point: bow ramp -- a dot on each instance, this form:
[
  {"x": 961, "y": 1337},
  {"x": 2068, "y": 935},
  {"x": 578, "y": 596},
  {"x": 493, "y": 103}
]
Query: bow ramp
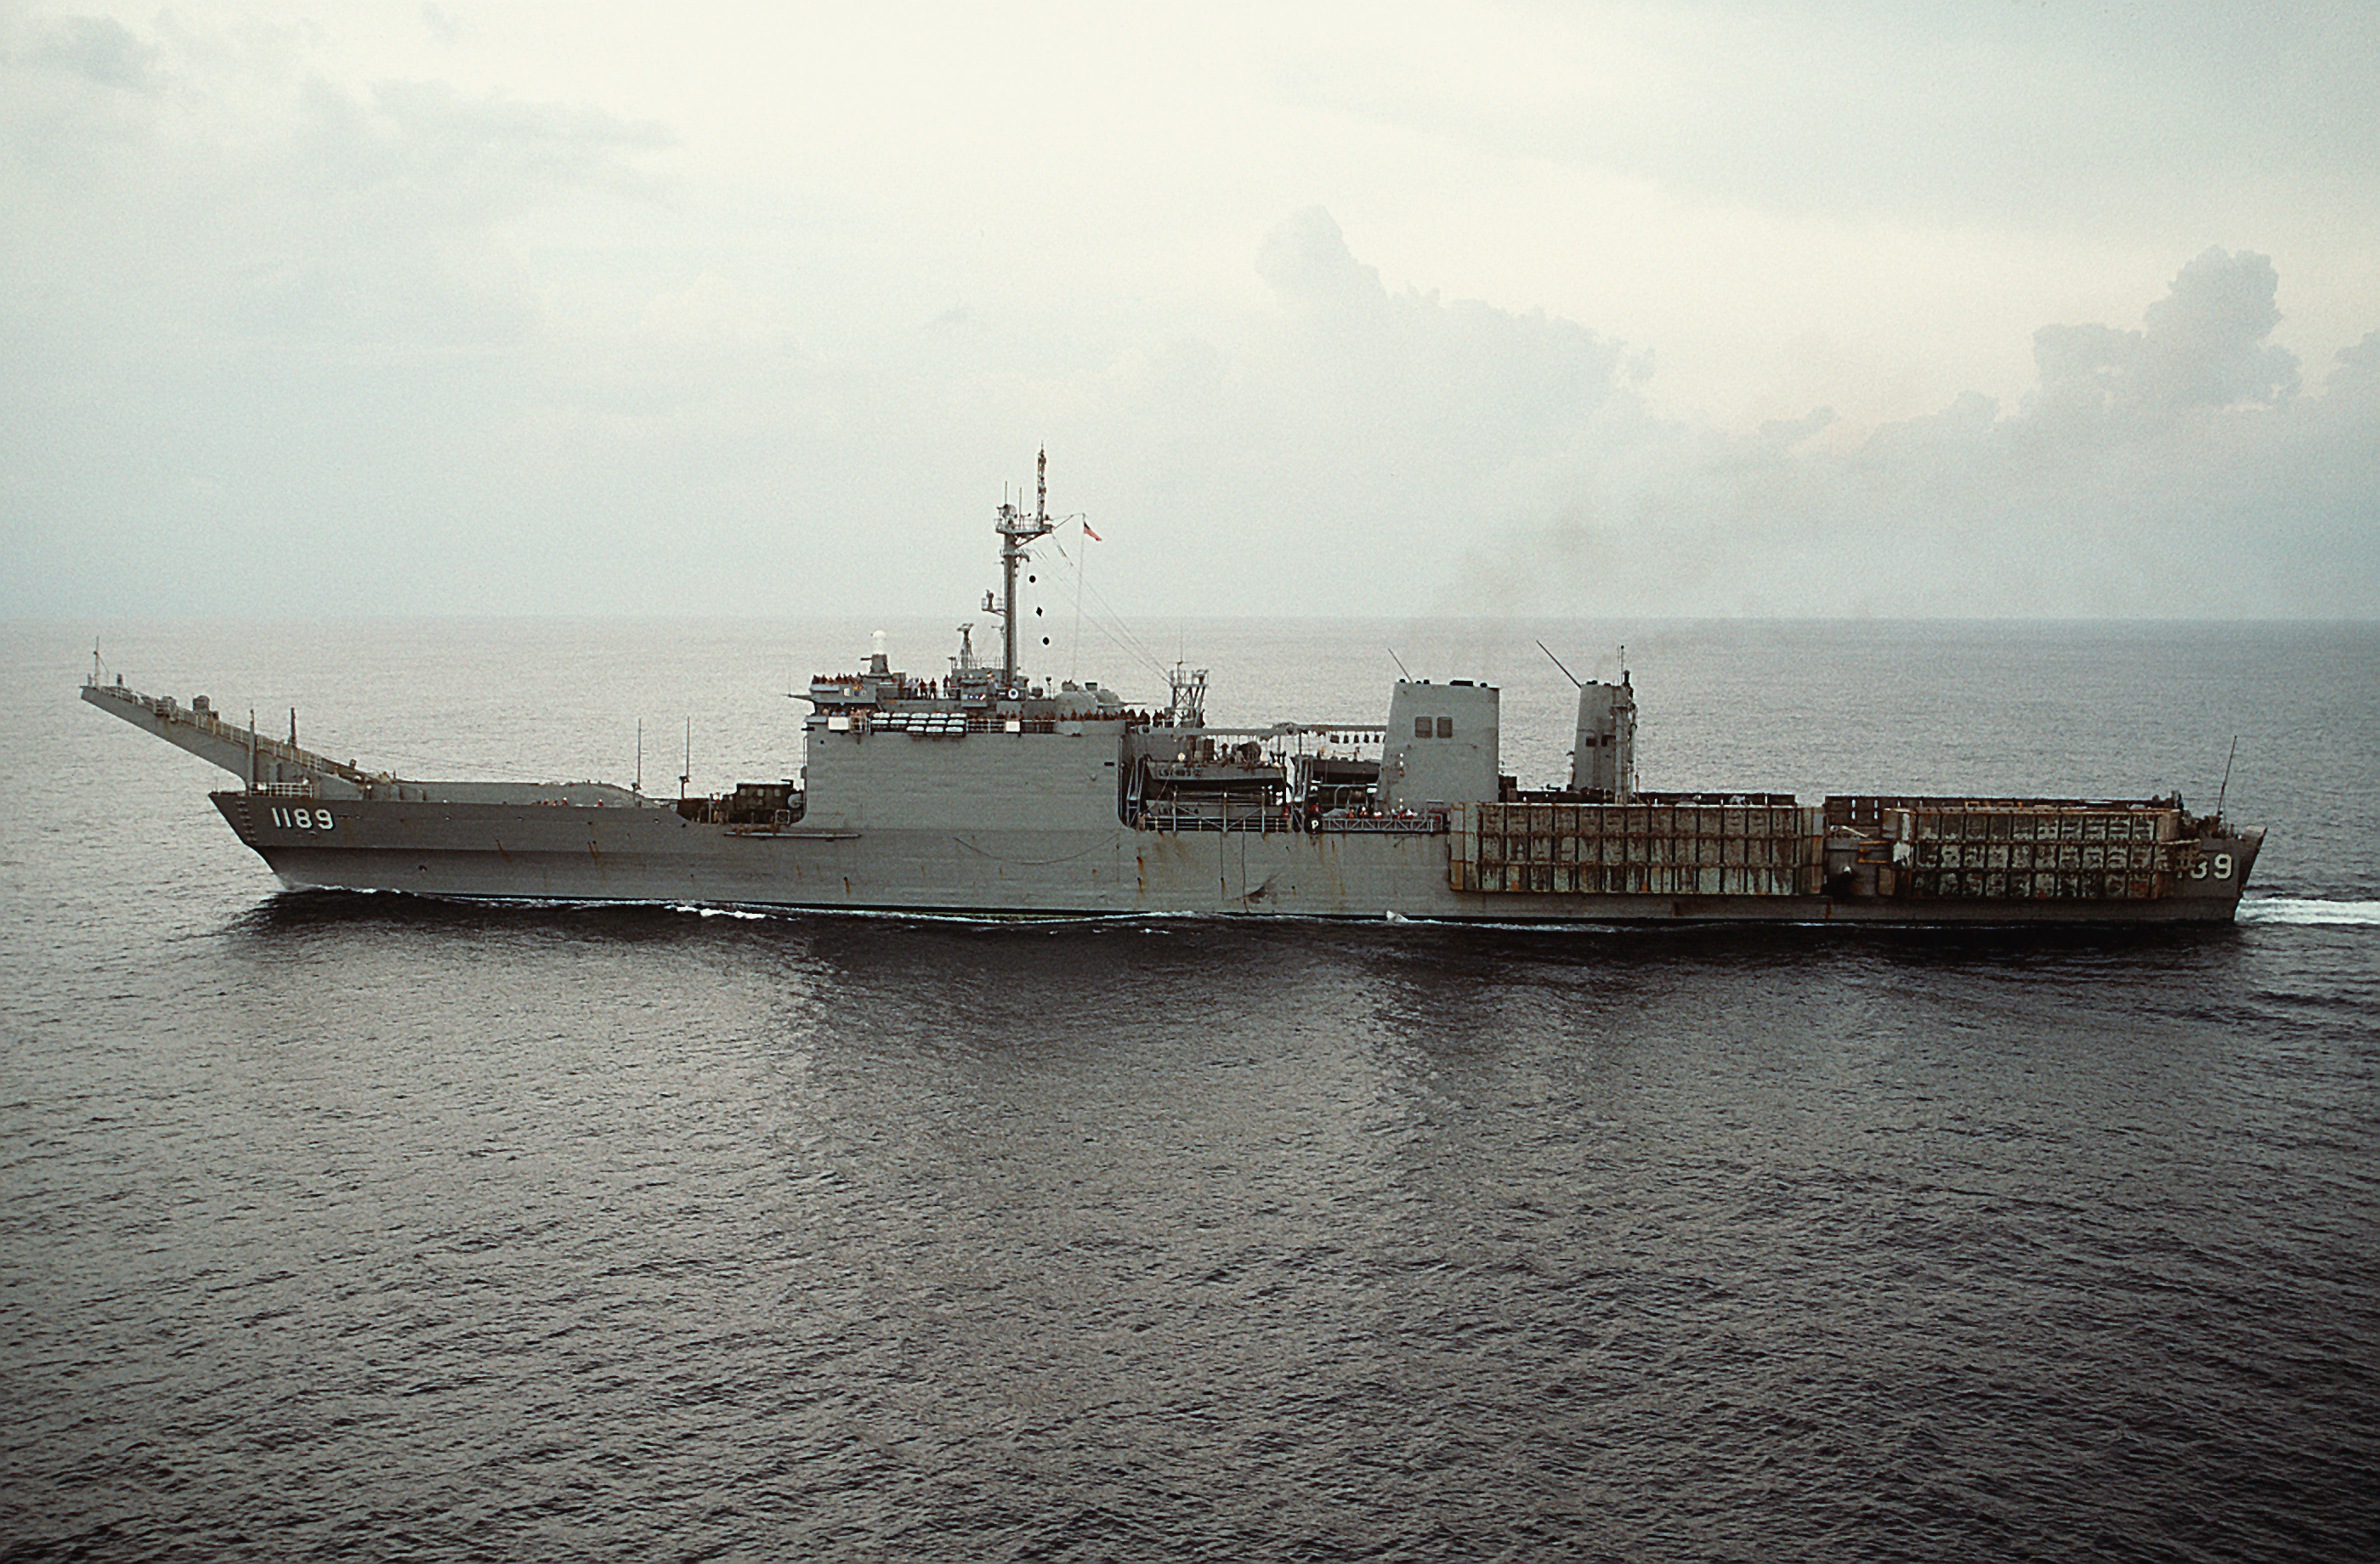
[{"x": 265, "y": 764}]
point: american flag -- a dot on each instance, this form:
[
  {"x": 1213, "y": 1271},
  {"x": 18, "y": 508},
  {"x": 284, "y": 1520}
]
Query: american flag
[{"x": 1091, "y": 535}]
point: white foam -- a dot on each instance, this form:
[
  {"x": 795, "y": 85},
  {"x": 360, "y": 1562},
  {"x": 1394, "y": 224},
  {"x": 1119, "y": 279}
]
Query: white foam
[
  {"x": 703, "y": 909},
  {"x": 2306, "y": 909}
]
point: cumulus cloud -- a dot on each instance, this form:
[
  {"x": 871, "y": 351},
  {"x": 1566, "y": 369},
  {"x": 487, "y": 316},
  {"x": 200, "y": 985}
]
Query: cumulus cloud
[
  {"x": 1497, "y": 462},
  {"x": 2203, "y": 346},
  {"x": 2171, "y": 470},
  {"x": 1306, "y": 261},
  {"x": 1397, "y": 417}
]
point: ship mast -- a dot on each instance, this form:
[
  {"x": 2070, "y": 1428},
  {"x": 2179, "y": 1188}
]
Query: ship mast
[{"x": 1017, "y": 529}]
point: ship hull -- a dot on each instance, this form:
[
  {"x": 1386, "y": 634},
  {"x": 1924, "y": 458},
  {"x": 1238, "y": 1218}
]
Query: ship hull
[{"x": 650, "y": 854}]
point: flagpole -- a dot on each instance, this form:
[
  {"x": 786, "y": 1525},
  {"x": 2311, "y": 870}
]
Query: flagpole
[{"x": 1080, "y": 572}]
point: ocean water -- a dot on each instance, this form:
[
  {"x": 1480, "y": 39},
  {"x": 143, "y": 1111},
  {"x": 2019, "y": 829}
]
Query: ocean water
[{"x": 349, "y": 1227}]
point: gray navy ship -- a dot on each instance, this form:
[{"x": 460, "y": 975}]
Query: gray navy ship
[{"x": 980, "y": 793}]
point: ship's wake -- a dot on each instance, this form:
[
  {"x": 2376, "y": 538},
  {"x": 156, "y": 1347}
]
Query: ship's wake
[{"x": 2308, "y": 910}]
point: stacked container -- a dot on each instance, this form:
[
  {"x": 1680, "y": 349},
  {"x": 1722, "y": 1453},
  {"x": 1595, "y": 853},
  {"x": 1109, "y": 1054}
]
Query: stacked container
[{"x": 1639, "y": 849}]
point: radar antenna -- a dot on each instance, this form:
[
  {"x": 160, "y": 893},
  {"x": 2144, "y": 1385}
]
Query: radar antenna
[{"x": 1189, "y": 697}]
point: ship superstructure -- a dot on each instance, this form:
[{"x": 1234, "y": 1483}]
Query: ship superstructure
[{"x": 979, "y": 791}]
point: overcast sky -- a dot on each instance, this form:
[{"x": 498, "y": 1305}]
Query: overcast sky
[{"x": 1977, "y": 308}]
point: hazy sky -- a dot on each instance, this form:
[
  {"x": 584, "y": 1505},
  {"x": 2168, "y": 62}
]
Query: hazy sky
[{"x": 1984, "y": 306}]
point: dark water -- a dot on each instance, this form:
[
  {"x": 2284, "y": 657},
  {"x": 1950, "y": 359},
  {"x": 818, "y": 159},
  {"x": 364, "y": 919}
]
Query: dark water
[{"x": 366, "y": 1228}]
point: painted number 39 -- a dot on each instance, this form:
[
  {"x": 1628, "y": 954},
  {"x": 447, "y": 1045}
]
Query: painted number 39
[
  {"x": 302, "y": 820},
  {"x": 2220, "y": 867}
]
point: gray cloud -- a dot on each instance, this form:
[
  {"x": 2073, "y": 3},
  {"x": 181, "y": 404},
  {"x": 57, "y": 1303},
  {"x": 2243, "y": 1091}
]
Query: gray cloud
[
  {"x": 2027, "y": 111},
  {"x": 397, "y": 346},
  {"x": 202, "y": 179},
  {"x": 1306, "y": 261},
  {"x": 99, "y": 49},
  {"x": 265, "y": 332}
]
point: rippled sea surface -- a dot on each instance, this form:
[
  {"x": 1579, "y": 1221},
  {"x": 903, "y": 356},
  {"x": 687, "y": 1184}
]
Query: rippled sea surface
[{"x": 370, "y": 1228}]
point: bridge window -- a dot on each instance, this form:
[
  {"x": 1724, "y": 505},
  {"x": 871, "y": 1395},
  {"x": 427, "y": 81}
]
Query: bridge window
[
  {"x": 1446, "y": 727},
  {"x": 1421, "y": 727}
]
